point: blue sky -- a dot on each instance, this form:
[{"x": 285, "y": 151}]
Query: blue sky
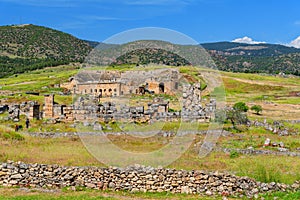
[{"x": 271, "y": 21}]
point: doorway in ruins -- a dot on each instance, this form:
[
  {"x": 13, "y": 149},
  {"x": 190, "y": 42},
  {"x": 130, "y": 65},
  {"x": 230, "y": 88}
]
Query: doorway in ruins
[{"x": 161, "y": 88}]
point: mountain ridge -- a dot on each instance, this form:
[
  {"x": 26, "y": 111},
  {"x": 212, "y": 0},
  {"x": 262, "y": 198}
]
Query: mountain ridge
[{"x": 29, "y": 47}]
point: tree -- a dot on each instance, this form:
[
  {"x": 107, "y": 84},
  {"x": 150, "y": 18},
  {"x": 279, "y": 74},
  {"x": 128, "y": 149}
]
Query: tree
[
  {"x": 240, "y": 106},
  {"x": 256, "y": 108},
  {"x": 236, "y": 117}
]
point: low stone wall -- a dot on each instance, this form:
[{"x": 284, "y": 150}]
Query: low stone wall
[
  {"x": 159, "y": 133},
  {"x": 283, "y": 152},
  {"x": 277, "y": 127},
  {"x": 135, "y": 179}
]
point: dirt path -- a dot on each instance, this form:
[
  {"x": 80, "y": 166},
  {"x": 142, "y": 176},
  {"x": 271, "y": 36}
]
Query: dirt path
[{"x": 23, "y": 83}]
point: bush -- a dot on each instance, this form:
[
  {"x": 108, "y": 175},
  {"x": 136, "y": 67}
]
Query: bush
[
  {"x": 234, "y": 154},
  {"x": 256, "y": 108},
  {"x": 12, "y": 136},
  {"x": 267, "y": 175},
  {"x": 240, "y": 106}
]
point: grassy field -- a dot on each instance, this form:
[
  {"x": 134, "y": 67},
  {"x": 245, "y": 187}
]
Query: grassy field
[
  {"x": 277, "y": 96},
  {"x": 71, "y": 151},
  {"x": 85, "y": 194},
  {"x": 274, "y": 94},
  {"x": 21, "y": 194},
  {"x": 88, "y": 194}
]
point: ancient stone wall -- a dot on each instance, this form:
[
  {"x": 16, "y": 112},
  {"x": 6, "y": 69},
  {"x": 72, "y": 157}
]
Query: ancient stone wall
[
  {"x": 101, "y": 89},
  {"x": 135, "y": 179},
  {"x": 110, "y": 83},
  {"x": 34, "y": 111},
  {"x": 48, "y": 110}
]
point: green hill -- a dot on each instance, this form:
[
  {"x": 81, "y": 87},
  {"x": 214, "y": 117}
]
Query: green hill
[
  {"x": 255, "y": 58},
  {"x": 31, "y": 41},
  {"x": 248, "y": 50},
  {"x": 151, "y": 55},
  {"x": 29, "y": 47}
]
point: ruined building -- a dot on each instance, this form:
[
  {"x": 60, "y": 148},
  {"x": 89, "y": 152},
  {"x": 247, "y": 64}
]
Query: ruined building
[{"x": 114, "y": 83}]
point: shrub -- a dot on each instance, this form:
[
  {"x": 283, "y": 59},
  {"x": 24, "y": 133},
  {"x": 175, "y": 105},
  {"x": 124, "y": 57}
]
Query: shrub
[
  {"x": 240, "y": 106},
  {"x": 234, "y": 154},
  {"x": 12, "y": 136},
  {"x": 256, "y": 108}
]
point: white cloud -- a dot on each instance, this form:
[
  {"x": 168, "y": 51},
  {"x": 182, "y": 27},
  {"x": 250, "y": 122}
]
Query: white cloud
[
  {"x": 246, "y": 40},
  {"x": 295, "y": 42},
  {"x": 297, "y": 23}
]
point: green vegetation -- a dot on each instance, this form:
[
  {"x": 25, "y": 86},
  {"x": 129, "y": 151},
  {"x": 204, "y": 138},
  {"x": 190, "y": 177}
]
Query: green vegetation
[
  {"x": 255, "y": 58},
  {"x": 278, "y": 96},
  {"x": 256, "y": 108},
  {"x": 151, "y": 55},
  {"x": 193, "y": 74},
  {"x": 89, "y": 194},
  {"x": 288, "y": 64},
  {"x": 29, "y": 47},
  {"x": 234, "y": 154},
  {"x": 71, "y": 151},
  {"x": 7, "y": 133},
  {"x": 282, "y": 195},
  {"x": 240, "y": 106},
  {"x": 236, "y": 115},
  {"x": 43, "y": 81}
]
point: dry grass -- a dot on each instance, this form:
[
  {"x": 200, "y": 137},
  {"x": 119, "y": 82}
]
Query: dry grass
[
  {"x": 71, "y": 151},
  {"x": 86, "y": 194},
  {"x": 63, "y": 151}
]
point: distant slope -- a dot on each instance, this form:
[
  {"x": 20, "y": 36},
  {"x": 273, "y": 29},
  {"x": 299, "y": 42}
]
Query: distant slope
[
  {"x": 149, "y": 52},
  {"x": 255, "y": 58},
  {"x": 233, "y": 48},
  {"x": 151, "y": 55},
  {"x": 29, "y": 47},
  {"x": 31, "y": 41}
]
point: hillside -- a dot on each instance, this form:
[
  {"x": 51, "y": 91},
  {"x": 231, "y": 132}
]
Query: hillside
[
  {"x": 249, "y": 50},
  {"x": 29, "y": 47},
  {"x": 40, "y": 42},
  {"x": 151, "y": 55},
  {"x": 285, "y": 63},
  {"x": 228, "y": 56}
]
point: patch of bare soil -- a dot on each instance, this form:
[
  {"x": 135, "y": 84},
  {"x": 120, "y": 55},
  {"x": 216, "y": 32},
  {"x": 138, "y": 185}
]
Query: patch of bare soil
[
  {"x": 23, "y": 83},
  {"x": 294, "y": 94}
]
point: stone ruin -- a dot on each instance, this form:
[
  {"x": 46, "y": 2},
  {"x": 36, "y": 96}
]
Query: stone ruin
[
  {"x": 31, "y": 109},
  {"x": 88, "y": 108},
  {"x": 192, "y": 108},
  {"x": 104, "y": 83},
  {"x": 95, "y": 93}
]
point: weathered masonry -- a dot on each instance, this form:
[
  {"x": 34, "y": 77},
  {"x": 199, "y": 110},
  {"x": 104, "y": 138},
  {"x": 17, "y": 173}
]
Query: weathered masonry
[{"x": 115, "y": 83}]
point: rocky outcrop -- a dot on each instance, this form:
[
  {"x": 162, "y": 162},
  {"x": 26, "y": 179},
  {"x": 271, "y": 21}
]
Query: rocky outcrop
[{"x": 135, "y": 179}]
